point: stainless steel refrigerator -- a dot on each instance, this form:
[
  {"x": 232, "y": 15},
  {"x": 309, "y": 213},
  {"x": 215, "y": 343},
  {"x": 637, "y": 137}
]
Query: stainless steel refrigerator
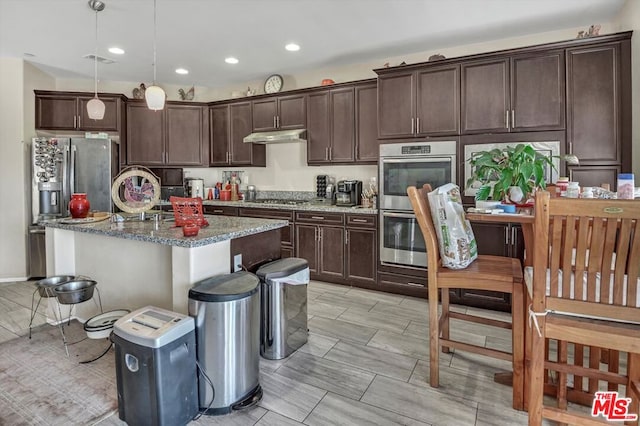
[{"x": 59, "y": 168}]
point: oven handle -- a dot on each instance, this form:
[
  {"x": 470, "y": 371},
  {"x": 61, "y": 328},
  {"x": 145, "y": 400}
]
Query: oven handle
[
  {"x": 417, "y": 159},
  {"x": 405, "y": 215}
]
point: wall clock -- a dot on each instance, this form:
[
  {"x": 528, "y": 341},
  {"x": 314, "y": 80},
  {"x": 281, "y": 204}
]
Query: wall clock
[{"x": 273, "y": 84}]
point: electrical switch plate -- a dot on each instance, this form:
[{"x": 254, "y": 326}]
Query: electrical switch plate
[{"x": 237, "y": 263}]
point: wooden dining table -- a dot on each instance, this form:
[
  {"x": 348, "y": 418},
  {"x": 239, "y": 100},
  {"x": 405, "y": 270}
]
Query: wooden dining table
[{"x": 525, "y": 218}]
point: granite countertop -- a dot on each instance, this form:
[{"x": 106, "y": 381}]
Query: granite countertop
[
  {"x": 220, "y": 228},
  {"x": 308, "y": 206}
]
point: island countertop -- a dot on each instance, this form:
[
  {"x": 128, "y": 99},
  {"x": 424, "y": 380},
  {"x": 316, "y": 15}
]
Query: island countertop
[{"x": 220, "y": 228}]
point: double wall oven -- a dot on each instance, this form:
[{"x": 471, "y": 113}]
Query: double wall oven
[{"x": 405, "y": 164}]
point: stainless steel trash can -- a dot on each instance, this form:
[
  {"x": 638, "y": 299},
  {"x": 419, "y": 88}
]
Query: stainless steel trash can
[
  {"x": 156, "y": 367},
  {"x": 226, "y": 309},
  {"x": 283, "y": 325}
]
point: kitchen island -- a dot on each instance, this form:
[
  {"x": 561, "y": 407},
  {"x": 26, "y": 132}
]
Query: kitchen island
[{"x": 138, "y": 263}]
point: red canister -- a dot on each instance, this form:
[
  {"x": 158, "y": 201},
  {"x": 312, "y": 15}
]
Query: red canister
[{"x": 79, "y": 205}]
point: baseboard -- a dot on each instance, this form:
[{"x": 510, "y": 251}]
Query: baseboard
[{"x": 12, "y": 280}]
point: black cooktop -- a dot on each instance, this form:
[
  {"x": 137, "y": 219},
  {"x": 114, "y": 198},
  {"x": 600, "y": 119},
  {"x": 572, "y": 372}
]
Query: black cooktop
[{"x": 280, "y": 201}]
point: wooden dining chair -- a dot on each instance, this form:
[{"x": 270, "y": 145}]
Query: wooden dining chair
[
  {"x": 585, "y": 290},
  {"x": 493, "y": 273}
]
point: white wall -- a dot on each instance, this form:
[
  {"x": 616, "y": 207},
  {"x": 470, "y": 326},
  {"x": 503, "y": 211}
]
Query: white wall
[
  {"x": 629, "y": 19},
  {"x": 12, "y": 195}
]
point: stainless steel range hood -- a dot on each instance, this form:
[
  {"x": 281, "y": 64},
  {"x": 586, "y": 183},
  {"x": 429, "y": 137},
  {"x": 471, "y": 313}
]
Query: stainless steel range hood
[{"x": 278, "y": 136}]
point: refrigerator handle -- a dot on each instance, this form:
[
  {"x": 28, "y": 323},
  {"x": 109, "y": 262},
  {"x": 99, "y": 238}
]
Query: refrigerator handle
[
  {"x": 65, "y": 181},
  {"x": 72, "y": 170}
]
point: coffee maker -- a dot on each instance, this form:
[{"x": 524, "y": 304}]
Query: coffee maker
[{"x": 349, "y": 193}]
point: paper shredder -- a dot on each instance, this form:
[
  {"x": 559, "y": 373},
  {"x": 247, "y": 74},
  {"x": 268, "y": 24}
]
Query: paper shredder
[
  {"x": 226, "y": 309},
  {"x": 283, "y": 288},
  {"x": 156, "y": 367}
]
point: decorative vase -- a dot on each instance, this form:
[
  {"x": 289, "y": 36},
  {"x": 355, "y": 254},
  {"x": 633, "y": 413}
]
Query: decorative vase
[
  {"x": 515, "y": 194},
  {"x": 79, "y": 206}
]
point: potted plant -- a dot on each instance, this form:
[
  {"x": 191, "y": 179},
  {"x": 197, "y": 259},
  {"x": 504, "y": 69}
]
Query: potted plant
[{"x": 511, "y": 174}]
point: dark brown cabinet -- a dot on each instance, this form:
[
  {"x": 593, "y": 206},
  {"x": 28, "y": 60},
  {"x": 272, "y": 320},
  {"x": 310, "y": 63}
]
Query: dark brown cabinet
[
  {"x": 286, "y": 234},
  {"x": 320, "y": 238},
  {"x": 521, "y": 93},
  {"x": 425, "y": 102},
  {"x": 229, "y": 126},
  {"x": 68, "y": 111},
  {"x": 281, "y": 113},
  {"x": 595, "y": 175},
  {"x": 367, "y": 146},
  {"x": 175, "y": 136},
  {"x": 594, "y": 104},
  {"x": 497, "y": 239},
  {"x": 220, "y": 210},
  {"x": 331, "y": 126},
  {"x": 361, "y": 242}
]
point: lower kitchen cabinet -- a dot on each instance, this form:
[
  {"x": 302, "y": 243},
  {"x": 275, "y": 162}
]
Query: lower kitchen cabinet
[
  {"x": 498, "y": 239},
  {"x": 343, "y": 254},
  {"x": 286, "y": 233},
  {"x": 221, "y": 210}
]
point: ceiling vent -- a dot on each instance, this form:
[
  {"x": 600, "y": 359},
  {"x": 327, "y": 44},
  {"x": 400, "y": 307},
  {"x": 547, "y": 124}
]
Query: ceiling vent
[{"x": 100, "y": 59}]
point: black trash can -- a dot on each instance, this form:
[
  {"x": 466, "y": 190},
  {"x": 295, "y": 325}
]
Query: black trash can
[
  {"x": 283, "y": 294},
  {"x": 156, "y": 367}
]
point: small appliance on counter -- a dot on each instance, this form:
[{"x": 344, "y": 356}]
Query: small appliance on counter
[
  {"x": 195, "y": 187},
  {"x": 251, "y": 193},
  {"x": 349, "y": 193},
  {"x": 326, "y": 188}
]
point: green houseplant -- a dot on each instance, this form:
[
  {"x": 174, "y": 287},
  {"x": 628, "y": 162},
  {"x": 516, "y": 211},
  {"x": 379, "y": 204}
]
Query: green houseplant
[{"x": 512, "y": 173}]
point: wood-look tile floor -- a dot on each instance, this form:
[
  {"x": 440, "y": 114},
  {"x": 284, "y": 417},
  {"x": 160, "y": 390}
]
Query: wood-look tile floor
[{"x": 366, "y": 363}]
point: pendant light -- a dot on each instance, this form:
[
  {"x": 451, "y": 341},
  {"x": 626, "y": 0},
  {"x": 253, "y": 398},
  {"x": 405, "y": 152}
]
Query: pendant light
[
  {"x": 95, "y": 107},
  {"x": 154, "y": 95}
]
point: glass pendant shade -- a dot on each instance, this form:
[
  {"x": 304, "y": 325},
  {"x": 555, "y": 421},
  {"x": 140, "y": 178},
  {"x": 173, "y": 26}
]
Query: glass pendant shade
[
  {"x": 155, "y": 97},
  {"x": 95, "y": 109}
]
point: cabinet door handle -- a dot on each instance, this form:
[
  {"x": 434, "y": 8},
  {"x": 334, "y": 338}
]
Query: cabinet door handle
[
  {"x": 418, "y": 125},
  {"x": 74, "y": 121},
  {"x": 513, "y": 235},
  {"x": 278, "y": 121},
  {"x": 330, "y": 153},
  {"x": 506, "y": 235},
  {"x": 274, "y": 122},
  {"x": 507, "y": 119},
  {"x": 414, "y": 284},
  {"x": 79, "y": 121},
  {"x": 319, "y": 234},
  {"x": 413, "y": 122},
  {"x": 570, "y": 147},
  {"x": 218, "y": 211},
  {"x": 513, "y": 118},
  {"x": 346, "y": 238},
  {"x": 317, "y": 217},
  {"x": 326, "y": 153},
  {"x": 359, "y": 220}
]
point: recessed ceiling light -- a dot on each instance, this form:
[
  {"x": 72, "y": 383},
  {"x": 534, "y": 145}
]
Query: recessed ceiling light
[
  {"x": 231, "y": 60},
  {"x": 292, "y": 47},
  {"x": 182, "y": 71},
  {"x": 116, "y": 51}
]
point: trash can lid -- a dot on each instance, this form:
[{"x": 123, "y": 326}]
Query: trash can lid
[
  {"x": 224, "y": 288},
  {"x": 281, "y": 268}
]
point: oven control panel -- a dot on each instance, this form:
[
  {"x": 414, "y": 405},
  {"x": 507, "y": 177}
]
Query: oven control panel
[{"x": 416, "y": 149}]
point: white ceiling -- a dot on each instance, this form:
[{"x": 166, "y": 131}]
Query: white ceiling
[{"x": 199, "y": 34}]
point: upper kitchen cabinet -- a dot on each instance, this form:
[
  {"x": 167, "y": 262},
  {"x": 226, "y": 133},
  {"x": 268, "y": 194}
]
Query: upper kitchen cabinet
[
  {"x": 281, "y": 113},
  {"x": 423, "y": 102},
  {"x": 229, "y": 125},
  {"x": 367, "y": 146},
  {"x": 520, "y": 93},
  {"x": 175, "y": 136},
  {"x": 331, "y": 126},
  {"x": 598, "y": 107},
  {"x": 68, "y": 111},
  {"x": 342, "y": 124}
]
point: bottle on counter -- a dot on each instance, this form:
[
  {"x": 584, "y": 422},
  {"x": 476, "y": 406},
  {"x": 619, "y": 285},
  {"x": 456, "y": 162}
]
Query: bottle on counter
[
  {"x": 234, "y": 189},
  {"x": 573, "y": 190},
  {"x": 587, "y": 192},
  {"x": 561, "y": 186},
  {"x": 626, "y": 186}
]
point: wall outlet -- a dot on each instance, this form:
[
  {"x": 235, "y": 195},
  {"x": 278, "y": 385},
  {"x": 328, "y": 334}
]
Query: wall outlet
[{"x": 237, "y": 263}]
